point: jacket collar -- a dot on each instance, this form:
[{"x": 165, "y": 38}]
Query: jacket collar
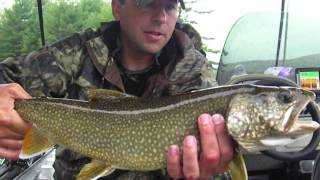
[{"x": 100, "y": 51}]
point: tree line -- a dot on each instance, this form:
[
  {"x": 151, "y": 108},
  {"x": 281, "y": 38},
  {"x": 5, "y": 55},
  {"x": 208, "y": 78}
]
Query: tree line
[{"x": 19, "y": 25}]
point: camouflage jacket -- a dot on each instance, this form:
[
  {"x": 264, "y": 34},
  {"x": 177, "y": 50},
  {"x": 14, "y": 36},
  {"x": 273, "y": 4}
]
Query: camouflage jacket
[{"x": 88, "y": 59}]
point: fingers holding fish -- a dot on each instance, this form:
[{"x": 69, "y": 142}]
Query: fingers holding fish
[
  {"x": 8, "y": 116},
  {"x": 13, "y": 90},
  {"x": 12, "y": 127},
  {"x": 8, "y": 94},
  {"x": 210, "y": 155},
  {"x": 10, "y": 141},
  {"x": 11, "y": 144},
  {"x": 186, "y": 166},
  {"x": 216, "y": 151},
  {"x": 174, "y": 162},
  {"x": 5, "y": 133},
  {"x": 190, "y": 162},
  {"x": 9, "y": 153},
  {"x": 18, "y": 125},
  {"x": 224, "y": 141}
]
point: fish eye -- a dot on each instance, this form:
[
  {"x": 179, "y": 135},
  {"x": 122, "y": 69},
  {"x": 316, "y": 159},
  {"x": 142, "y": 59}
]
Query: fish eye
[{"x": 285, "y": 96}]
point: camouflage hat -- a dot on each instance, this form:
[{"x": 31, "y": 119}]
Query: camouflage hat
[{"x": 145, "y": 2}]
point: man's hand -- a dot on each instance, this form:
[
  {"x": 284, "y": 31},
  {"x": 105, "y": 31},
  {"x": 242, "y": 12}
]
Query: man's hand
[
  {"x": 12, "y": 127},
  {"x": 215, "y": 155}
]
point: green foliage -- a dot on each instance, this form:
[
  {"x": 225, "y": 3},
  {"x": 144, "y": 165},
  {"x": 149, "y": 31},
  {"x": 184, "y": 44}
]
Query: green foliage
[
  {"x": 16, "y": 32},
  {"x": 183, "y": 16},
  {"x": 19, "y": 25},
  {"x": 65, "y": 17}
]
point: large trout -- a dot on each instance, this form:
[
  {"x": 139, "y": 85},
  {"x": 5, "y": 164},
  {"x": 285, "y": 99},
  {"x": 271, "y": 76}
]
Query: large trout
[{"x": 124, "y": 132}]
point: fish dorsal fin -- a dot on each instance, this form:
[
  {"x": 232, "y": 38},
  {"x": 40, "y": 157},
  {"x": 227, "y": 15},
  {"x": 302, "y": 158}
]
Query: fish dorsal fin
[
  {"x": 106, "y": 94},
  {"x": 94, "y": 170},
  {"x": 34, "y": 144}
]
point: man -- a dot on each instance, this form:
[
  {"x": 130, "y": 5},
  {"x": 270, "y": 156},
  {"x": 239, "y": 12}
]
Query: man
[{"x": 141, "y": 53}]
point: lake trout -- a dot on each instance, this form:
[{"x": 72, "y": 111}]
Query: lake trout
[{"x": 124, "y": 132}]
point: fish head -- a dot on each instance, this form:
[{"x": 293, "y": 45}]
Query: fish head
[{"x": 268, "y": 117}]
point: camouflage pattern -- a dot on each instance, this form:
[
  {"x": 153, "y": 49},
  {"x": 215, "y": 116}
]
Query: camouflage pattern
[{"x": 86, "y": 60}]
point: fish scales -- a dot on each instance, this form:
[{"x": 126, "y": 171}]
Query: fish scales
[{"x": 134, "y": 133}]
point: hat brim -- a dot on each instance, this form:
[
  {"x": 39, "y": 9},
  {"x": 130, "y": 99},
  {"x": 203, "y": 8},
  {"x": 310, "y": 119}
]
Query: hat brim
[{"x": 144, "y": 2}]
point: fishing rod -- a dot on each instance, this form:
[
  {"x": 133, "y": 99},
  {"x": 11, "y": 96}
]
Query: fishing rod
[
  {"x": 41, "y": 26},
  {"x": 283, "y": 2}
]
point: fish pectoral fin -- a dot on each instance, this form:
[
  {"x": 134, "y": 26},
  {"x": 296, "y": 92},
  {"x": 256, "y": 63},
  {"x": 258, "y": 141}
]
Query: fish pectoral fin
[
  {"x": 237, "y": 167},
  {"x": 94, "y": 170},
  {"x": 34, "y": 144}
]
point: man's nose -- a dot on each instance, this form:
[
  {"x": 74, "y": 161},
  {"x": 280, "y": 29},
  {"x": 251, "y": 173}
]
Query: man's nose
[{"x": 160, "y": 15}]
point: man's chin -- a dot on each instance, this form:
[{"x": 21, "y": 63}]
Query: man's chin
[{"x": 153, "y": 49}]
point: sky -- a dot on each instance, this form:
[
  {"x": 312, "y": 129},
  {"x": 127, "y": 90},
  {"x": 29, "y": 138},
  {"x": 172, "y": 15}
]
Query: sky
[
  {"x": 225, "y": 12},
  {"x": 5, "y": 4}
]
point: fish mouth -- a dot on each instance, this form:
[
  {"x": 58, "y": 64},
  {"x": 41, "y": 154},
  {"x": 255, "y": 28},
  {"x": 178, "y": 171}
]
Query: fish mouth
[
  {"x": 292, "y": 128},
  {"x": 291, "y": 125}
]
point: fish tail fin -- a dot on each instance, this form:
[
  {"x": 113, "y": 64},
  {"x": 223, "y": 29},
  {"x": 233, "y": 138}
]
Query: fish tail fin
[
  {"x": 34, "y": 144},
  {"x": 94, "y": 170},
  {"x": 237, "y": 167}
]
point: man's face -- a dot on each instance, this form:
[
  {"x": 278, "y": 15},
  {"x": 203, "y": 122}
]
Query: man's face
[{"x": 146, "y": 29}]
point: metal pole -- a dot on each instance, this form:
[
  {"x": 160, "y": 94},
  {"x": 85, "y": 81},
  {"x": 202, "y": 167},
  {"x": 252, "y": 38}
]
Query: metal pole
[
  {"x": 43, "y": 41},
  {"x": 280, "y": 32}
]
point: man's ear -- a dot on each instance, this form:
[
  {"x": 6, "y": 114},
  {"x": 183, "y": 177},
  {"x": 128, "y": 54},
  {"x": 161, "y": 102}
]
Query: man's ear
[{"x": 116, "y": 9}]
